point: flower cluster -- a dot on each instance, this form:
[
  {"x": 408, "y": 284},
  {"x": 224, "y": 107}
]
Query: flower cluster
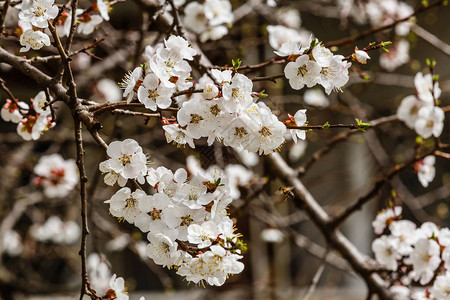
[
  {"x": 314, "y": 65},
  {"x": 36, "y": 13},
  {"x": 56, "y": 231},
  {"x": 419, "y": 111},
  {"x": 413, "y": 256},
  {"x": 186, "y": 219},
  {"x": 31, "y": 122},
  {"x": 210, "y": 19},
  {"x": 165, "y": 72},
  {"x": 225, "y": 110},
  {"x": 57, "y": 176},
  {"x": 230, "y": 115},
  {"x": 34, "y": 16}
]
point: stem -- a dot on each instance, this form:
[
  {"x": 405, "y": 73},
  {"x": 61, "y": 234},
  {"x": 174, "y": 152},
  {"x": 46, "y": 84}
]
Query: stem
[{"x": 83, "y": 180}]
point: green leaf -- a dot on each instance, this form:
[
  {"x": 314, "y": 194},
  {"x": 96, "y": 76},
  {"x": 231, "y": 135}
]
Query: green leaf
[
  {"x": 362, "y": 126},
  {"x": 236, "y": 63},
  {"x": 431, "y": 62},
  {"x": 262, "y": 94},
  {"x": 326, "y": 125}
]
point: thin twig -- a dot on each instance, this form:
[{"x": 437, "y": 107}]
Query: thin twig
[
  {"x": 6, "y": 89},
  {"x": 268, "y": 78},
  {"x": 316, "y": 278},
  {"x": 83, "y": 180}
]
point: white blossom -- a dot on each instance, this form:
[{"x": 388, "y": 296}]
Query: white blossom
[
  {"x": 302, "y": 72},
  {"x": 174, "y": 133},
  {"x": 88, "y": 23},
  {"x": 441, "y": 287},
  {"x": 272, "y": 235},
  {"x": 154, "y": 95},
  {"x": 361, "y": 56},
  {"x": 409, "y": 109},
  {"x": 426, "y": 170},
  {"x": 99, "y": 272},
  {"x": 278, "y": 35},
  {"x": 124, "y": 204},
  {"x": 11, "y": 111},
  {"x": 57, "y": 176},
  {"x": 11, "y": 243},
  {"x": 404, "y": 232},
  {"x": 38, "y": 12},
  {"x": 299, "y": 119},
  {"x": 386, "y": 252},
  {"x": 117, "y": 288},
  {"x": 384, "y": 218},
  {"x": 400, "y": 292},
  {"x": 430, "y": 121},
  {"x": 316, "y": 97},
  {"x": 127, "y": 159},
  {"x": 162, "y": 249},
  {"x": 398, "y": 55},
  {"x": 426, "y": 90},
  {"x": 425, "y": 259},
  {"x": 131, "y": 83},
  {"x": 34, "y": 40}
]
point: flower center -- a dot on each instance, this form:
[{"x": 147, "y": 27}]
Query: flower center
[
  {"x": 39, "y": 11},
  {"x": 155, "y": 214},
  {"x": 56, "y": 175},
  {"x": 153, "y": 94},
  {"x": 302, "y": 71},
  {"x": 195, "y": 119},
  {"x": 430, "y": 123},
  {"x": 125, "y": 159},
  {"x": 130, "y": 202},
  {"x": 28, "y": 123},
  {"x": 265, "y": 131},
  {"x": 215, "y": 110},
  {"x": 186, "y": 220},
  {"x": 240, "y": 131}
]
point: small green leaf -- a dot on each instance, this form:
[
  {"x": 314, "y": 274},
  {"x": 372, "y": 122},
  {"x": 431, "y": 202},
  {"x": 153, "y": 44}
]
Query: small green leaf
[
  {"x": 436, "y": 78},
  {"x": 236, "y": 63},
  {"x": 419, "y": 140},
  {"x": 362, "y": 126},
  {"x": 385, "y": 44},
  {"x": 425, "y": 3},
  {"x": 431, "y": 62},
  {"x": 262, "y": 94},
  {"x": 326, "y": 125},
  {"x": 393, "y": 193}
]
